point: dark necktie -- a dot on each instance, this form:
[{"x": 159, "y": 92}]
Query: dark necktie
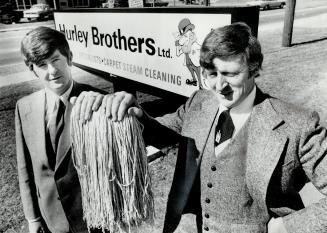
[
  {"x": 56, "y": 124},
  {"x": 224, "y": 129}
]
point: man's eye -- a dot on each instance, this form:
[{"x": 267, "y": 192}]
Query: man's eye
[
  {"x": 213, "y": 74},
  {"x": 230, "y": 74},
  {"x": 42, "y": 65}
]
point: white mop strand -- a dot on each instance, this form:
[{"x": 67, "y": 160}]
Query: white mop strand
[{"x": 110, "y": 158}]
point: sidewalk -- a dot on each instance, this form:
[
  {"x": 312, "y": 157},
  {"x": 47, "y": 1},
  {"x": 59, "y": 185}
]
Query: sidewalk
[{"x": 24, "y": 24}]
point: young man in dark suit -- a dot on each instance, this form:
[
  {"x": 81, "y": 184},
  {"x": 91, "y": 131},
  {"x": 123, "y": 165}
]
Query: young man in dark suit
[
  {"x": 243, "y": 155},
  {"x": 48, "y": 181}
]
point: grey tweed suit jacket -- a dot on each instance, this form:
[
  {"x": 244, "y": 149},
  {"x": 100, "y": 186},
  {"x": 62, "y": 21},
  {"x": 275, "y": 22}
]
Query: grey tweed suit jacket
[
  {"x": 43, "y": 186},
  {"x": 286, "y": 148}
]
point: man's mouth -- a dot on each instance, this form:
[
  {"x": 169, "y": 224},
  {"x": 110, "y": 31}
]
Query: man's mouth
[{"x": 56, "y": 78}]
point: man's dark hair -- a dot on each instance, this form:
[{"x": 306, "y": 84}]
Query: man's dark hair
[
  {"x": 40, "y": 43},
  {"x": 230, "y": 41}
]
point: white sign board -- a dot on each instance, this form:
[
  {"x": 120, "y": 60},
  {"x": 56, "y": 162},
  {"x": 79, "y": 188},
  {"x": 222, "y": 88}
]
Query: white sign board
[{"x": 158, "y": 49}]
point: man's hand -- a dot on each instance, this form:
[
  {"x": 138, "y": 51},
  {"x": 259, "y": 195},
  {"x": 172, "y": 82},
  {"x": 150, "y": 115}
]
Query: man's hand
[
  {"x": 86, "y": 103},
  {"x": 36, "y": 227},
  {"x": 118, "y": 104},
  {"x": 276, "y": 225}
]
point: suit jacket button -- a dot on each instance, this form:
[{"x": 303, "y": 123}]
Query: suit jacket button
[
  {"x": 207, "y": 200},
  {"x": 209, "y": 185},
  {"x": 206, "y": 228},
  {"x": 213, "y": 168},
  {"x": 206, "y": 215}
]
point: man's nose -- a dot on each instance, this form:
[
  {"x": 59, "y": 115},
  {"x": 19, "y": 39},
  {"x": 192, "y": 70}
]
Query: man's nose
[
  {"x": 52, "y": 69},
  {"x": 221, "y": 80}
]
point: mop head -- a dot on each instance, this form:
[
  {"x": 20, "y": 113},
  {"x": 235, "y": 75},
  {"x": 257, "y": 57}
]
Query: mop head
[{"x": 110, "y": 158}]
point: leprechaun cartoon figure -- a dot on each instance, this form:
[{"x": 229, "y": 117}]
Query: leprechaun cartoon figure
[{"x": 186, "y": 43}]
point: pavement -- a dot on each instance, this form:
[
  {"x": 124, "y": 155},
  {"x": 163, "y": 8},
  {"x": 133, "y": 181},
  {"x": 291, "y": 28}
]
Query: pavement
[{"x": 24, "y": 24}]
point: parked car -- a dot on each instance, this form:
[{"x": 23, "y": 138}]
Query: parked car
[
  {"x": 156, "y": 3},
  {"x": 268, "y": 4},
  {"x": 39, "y": 11},
  {"x": 9, "y": 15}
]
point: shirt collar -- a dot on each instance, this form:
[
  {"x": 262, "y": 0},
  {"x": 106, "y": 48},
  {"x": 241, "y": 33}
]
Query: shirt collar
[
  {"x": 241, "y": 112},
  {"x": 51, "y": 97},
  {"x": 64, "y": 97}
]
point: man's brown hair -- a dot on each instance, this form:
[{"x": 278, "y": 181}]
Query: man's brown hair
[
  {"x": 40, "y": 43},
  {"x": 230, "y": 41}
]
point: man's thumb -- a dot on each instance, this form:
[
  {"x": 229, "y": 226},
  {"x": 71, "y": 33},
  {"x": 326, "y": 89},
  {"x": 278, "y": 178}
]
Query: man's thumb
[
  {"x": 135, "y": 111},
  {"x": 73, "y": 100}
]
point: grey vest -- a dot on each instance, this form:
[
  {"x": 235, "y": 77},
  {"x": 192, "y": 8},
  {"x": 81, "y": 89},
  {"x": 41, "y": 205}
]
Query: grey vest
[{"x": 227, "y": 205}]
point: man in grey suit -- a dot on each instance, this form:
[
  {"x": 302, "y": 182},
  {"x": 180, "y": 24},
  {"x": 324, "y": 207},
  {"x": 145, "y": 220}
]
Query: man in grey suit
[
  {"x": 243, "y": 155},
  {"x": 48, "y": 181}
]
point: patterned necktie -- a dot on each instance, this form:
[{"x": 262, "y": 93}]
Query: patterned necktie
[
  {"x": 56, "y": 123},
  {"x": 225, "y": 128}
]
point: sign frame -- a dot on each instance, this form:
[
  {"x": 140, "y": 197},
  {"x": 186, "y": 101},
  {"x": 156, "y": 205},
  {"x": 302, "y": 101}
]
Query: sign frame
[{"x": 239, "y": 13}]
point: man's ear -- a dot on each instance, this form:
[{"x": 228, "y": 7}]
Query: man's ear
[
  {"x": 28, "y": 64},
  {"x": 254, "y": 73},
  {"x": 34, "y": 73},
  {"x": 70, "y": 58},
  {"x": 31, "y": 68}
]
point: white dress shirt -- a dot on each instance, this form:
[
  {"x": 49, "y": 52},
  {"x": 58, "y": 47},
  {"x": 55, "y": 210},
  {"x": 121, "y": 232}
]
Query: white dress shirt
[
  {"x": 239, "y": 114},
  {"x": 51, "y": 98}
]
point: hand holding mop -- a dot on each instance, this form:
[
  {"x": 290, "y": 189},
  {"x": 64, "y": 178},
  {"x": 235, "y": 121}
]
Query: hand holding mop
[{"x": 110, "y": 158}]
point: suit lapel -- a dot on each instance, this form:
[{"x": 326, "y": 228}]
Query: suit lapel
[
  {"x": 36, "y": 125},
  {"x": 265, "y": 146},
  {"x": 211, "y": 116},
  {"x": 205, "y": 136}
]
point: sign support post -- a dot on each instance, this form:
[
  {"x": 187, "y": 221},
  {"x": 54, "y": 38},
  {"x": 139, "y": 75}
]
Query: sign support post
[{"x": 288, "y": 23}]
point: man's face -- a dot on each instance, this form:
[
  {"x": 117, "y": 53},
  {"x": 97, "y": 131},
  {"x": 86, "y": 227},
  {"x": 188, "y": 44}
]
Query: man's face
[
  {"x": 230, "y": 80},
  {"x": 55, "y": 72}
]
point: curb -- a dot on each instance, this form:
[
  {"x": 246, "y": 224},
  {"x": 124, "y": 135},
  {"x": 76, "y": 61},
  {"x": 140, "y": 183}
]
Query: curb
[{"x": 15, "y": 29}]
